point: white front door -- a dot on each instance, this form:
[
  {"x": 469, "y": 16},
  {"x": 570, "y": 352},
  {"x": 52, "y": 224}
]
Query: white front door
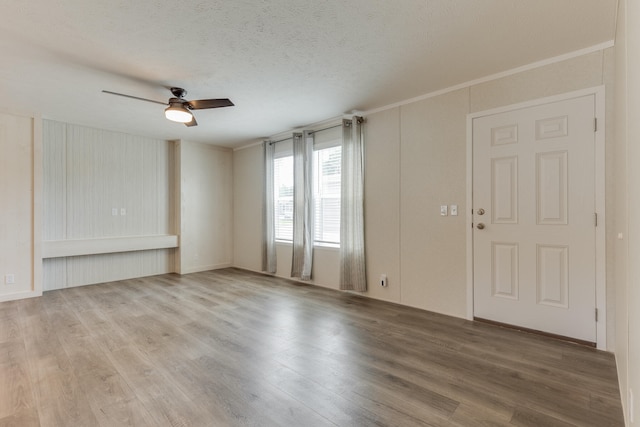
[{"x": 534, "y": 237}]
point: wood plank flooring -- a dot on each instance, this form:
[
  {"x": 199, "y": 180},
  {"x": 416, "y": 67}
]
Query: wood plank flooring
[{"x": 233, "y": 348}]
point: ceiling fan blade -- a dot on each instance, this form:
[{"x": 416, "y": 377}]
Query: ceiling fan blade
[
  {"x": 192, "y": 122},
  {"x": 201, "y": 104},
  {"x": 134, "y": 97}
]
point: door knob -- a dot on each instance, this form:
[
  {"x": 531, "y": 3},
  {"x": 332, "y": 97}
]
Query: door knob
[
  {"x": 480, "y": 226},
  {"x": 480, "y": 211}
]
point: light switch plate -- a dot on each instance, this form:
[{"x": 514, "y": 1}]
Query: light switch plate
[
  {"x": 444, "y": 210},
  {"x": 454, "y": 210}
]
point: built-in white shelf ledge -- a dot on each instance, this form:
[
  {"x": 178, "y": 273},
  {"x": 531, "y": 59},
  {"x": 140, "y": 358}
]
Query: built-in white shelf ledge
[{"x": 106, "y": 245}]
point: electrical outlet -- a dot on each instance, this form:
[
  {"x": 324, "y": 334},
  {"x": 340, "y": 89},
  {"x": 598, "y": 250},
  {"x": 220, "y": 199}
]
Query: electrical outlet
[
  {"x": 123, "y": 211},
  {"x": 9, "y": 279},
  {"x": 383, "y": 280}
]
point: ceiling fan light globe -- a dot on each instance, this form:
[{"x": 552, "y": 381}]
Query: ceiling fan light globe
[{"x": 177, "y": 113}]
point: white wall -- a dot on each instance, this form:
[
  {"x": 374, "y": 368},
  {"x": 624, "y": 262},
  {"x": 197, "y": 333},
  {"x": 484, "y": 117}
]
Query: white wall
[
  {"x": 433, "y": 173},
  {"x": 247, "y": 207},
  {"x": 205, "y": 185},
  {"x": 627, "y": 219},
  {"x": 382, "y": 203},
  {"x": 416, "y": 161},
  {"x": 20, "y": 195},
  {"x": 633, "y": 197},
  {"x": 621, "y": 207},
  {"x": 88, "y": 173}
]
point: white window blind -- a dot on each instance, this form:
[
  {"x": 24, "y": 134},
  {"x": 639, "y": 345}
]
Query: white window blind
[
  {"x": 283, "y": 197},
  {"x": 327, "y": 165}
]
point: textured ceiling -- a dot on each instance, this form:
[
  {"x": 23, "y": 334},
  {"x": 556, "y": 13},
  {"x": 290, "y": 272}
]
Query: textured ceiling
[{"x": 284, "y": 63}]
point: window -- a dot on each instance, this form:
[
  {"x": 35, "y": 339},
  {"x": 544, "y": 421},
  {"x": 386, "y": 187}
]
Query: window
[
  {"x": 283, "y": 193},
  {"x": 327, "y": 160},
  {"x": 326, "y": 193}
]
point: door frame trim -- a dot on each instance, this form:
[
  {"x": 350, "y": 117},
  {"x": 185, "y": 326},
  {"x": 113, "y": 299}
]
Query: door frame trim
[{"x": 600, "y": 201}]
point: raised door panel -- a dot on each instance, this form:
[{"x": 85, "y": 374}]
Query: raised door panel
[
  {"x": 504, "y": 270},
  {"x": 552, "y": 188},
  {"x": 504, "y": 182}
]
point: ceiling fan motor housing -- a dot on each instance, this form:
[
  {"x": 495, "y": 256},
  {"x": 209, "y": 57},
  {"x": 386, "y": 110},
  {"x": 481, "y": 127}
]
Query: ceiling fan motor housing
[
  {"x": 178, "y": 92},
  {"x": 179, "y": 102}
]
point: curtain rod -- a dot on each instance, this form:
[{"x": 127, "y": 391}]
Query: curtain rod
[
  {"x": 330, "y": 127},
  {"x": 280, "y": 140},
  {"x": 311, "y": 132}
]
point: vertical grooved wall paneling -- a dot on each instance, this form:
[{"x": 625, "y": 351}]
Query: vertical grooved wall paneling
[{"x": 90, "y": 174}]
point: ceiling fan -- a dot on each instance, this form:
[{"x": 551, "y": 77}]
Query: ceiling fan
[{"x": 179, "y": 109}]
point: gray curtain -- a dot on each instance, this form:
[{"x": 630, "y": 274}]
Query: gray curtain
[
  {"x": 302, "y": 205},
  {"x": 352, "y": 253},
  {"x": 268, "y": 212}
]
